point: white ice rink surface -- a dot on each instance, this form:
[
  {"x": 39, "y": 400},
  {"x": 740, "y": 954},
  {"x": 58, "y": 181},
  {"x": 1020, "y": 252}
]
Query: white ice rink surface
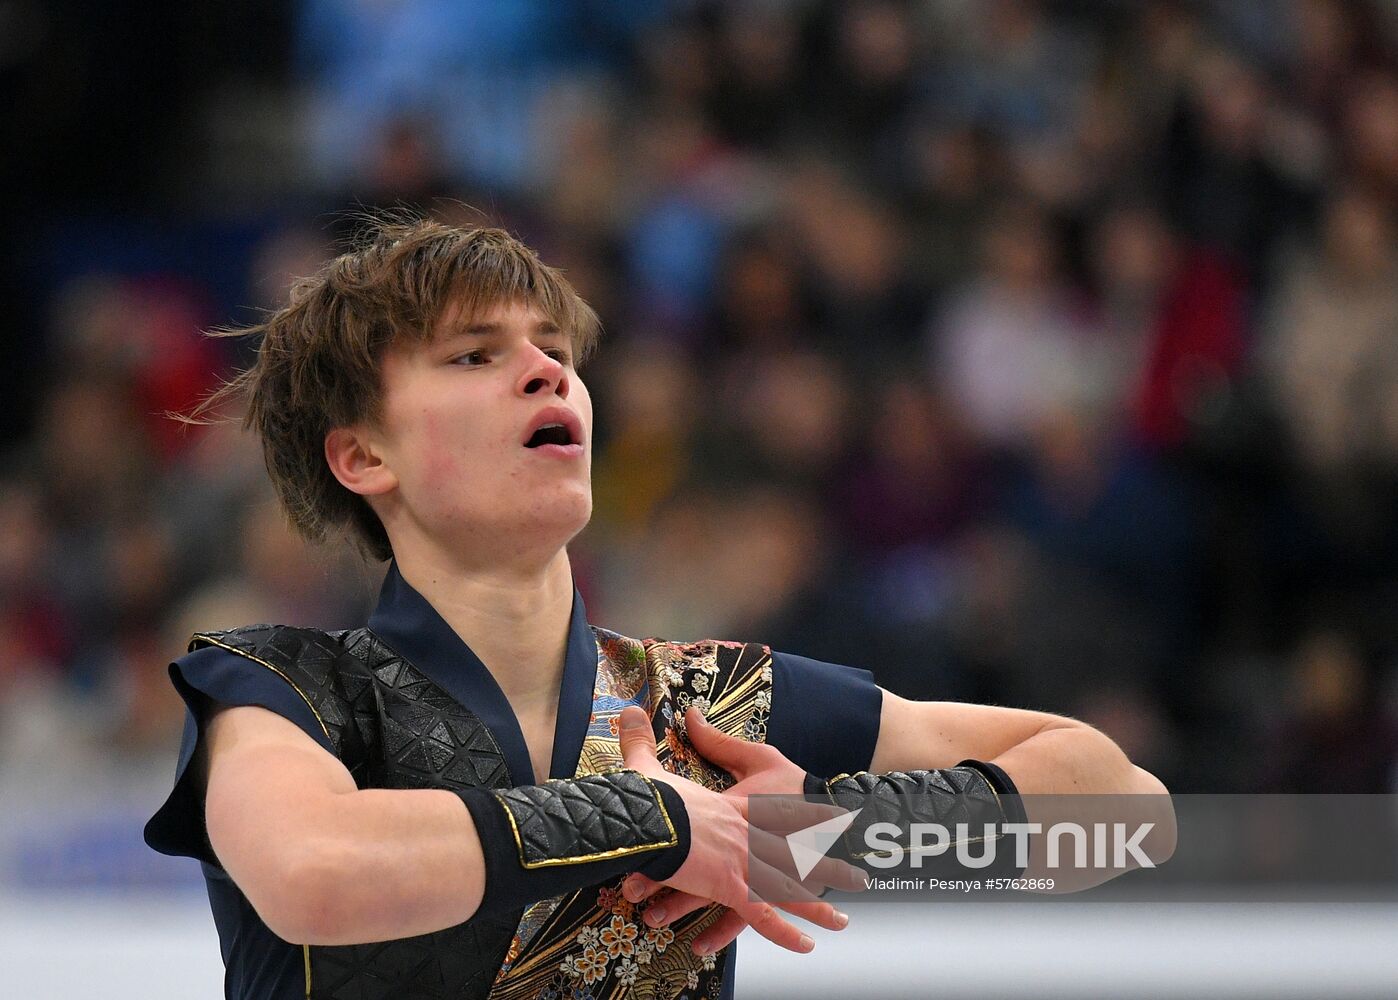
[{"x": 115, "y": 949}]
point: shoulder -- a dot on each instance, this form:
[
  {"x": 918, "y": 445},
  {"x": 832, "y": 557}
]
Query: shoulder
[
  {"x": 276, "y": 646},
  {"x": 294, "y": 671},
  {"x": 825, "y": 716},
  {"x": 264, "y": 666}
]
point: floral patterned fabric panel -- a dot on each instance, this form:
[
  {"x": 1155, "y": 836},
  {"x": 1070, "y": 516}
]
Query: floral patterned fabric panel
[{"x": 592, "y": 944}]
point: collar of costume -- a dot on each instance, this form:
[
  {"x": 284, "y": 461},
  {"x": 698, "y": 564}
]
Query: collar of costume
[{"x": 407, "y": 623}]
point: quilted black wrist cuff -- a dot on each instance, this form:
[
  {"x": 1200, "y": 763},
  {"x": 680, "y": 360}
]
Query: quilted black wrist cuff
[
  {"x": 1010, "y": 802},
  {"x": 975, "y": 792},
  {"x": 960, "y": 799},
  {"x": 543, "y": 840}
]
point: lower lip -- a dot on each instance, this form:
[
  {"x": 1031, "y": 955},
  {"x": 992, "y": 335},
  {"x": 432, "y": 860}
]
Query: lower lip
[{"x": 558, "y": 450}]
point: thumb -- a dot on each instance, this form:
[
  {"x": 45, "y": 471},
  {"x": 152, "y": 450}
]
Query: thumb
[
  {"x": 735, "y": 755},
  {"x": 637, "y": 740}
]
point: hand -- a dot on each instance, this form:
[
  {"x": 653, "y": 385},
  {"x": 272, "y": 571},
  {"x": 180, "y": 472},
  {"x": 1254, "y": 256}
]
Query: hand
[
  {"x": 761, "y": 770},
  {"x": 716, "y": 867}
]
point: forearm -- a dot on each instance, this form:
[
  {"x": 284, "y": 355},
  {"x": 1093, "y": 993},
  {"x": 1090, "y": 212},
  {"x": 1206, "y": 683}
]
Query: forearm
[
  {"x": 383, "y": 864},
  {"x": 1061, "y": 769},
  {"x": 392, "y": 875},
  {"x": 326, "y": 863},
  {"x": 1074, "y": 760},
  {"x": 1077, "y": 775}
]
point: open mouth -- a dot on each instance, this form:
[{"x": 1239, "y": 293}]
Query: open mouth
[{"x": 550, "y": 434}]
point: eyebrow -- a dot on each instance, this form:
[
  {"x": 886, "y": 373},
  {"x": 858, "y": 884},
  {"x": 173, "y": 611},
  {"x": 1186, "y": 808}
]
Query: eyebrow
[{"x": 543, "y": 327}]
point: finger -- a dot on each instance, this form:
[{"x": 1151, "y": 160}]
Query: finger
[
  {"x": 836, "y": 874},
  {"x": 637, "y": 887},
  {"x": 720, "y": 934},
  {"x": 771, "y": 849},
  {"x": 767, "y": 921},
  {"x": 827, "y": 872},
  {"x": 737, "y": 756},
  {"x": 776, "y": 887},
  {"x": 726, "y": 929},
  {"x": 672, "y": 906},
  {"x": 787, "y": 813},
  {"x": 637, "y": 739},
  {"x": 821, "y": 914}
]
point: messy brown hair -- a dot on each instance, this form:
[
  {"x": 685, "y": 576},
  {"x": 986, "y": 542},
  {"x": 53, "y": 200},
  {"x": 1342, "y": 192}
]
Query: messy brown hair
[{"x": 318, "y": 357}]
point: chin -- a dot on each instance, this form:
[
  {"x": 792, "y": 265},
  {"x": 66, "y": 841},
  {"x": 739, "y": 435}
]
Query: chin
[
  {"x": 565, "y": 516},
  {"x": 581, "y": 514}
]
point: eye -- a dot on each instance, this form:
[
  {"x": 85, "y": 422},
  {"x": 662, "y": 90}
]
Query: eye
[
  {"x": 562, "y": 356},
  {"x": 469, "y": 358}
]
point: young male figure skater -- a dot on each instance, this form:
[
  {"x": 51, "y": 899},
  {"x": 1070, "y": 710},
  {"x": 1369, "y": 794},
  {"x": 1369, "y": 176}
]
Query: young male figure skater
[{"x": 448, "y": 802}]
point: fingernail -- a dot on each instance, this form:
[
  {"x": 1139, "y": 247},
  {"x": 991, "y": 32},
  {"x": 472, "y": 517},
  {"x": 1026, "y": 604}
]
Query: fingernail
[
  {"x": 806, "y": 943},
  {"x": 632, "y": 891},
  {"x": 841, "y": 918},
  {"x": 701, "y": 949},
  {"x": 632, "y": 720},
  {"x": 656, "y": 914}
]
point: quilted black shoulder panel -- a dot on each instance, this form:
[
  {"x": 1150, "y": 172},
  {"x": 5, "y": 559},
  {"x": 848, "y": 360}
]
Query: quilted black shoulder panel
[
  {"x": 427, "y": 739},
  {"x": 315, "y": 663},
  {"x": 393, "y": 728},
  {"x": 424, "y": 738}
]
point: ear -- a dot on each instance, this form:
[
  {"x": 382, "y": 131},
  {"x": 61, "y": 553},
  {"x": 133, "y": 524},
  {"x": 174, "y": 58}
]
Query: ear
[{"x": 355, "y": 461}]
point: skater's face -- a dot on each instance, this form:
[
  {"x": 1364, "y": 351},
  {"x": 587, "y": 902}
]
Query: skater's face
[{"x": 462, "y": 461}]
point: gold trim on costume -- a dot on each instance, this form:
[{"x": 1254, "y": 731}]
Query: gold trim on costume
[
  {"x": 830, "y": 781},
  {"x": 991, "y": 785},
  {"x": 577, "y": 859},
  {"x": 205, "y": 637}
]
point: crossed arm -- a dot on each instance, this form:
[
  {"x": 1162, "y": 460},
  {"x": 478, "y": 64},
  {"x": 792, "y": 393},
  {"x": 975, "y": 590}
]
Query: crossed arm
[
  {"x": 325, "y": 863},
  {"x": 288, "y": 823},
  {"x": 314, "y": 854},
  {"x": 1044, "y": 754},
  {"x": 1065, "y": 769}
]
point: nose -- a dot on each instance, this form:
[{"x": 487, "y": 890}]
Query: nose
[{"x": 543, "y": 374}]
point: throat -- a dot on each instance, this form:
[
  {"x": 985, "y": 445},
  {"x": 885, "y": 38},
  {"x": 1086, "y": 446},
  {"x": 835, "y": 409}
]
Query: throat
[{"x": 538, "y": 733}]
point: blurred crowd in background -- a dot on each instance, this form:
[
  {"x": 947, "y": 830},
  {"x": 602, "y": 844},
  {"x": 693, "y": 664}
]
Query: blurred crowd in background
[{"x": 1034, "y": 353}]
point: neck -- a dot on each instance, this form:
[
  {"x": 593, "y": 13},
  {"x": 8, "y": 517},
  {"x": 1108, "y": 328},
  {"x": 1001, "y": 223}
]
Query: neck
[{"x": 516, "y": 621}]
